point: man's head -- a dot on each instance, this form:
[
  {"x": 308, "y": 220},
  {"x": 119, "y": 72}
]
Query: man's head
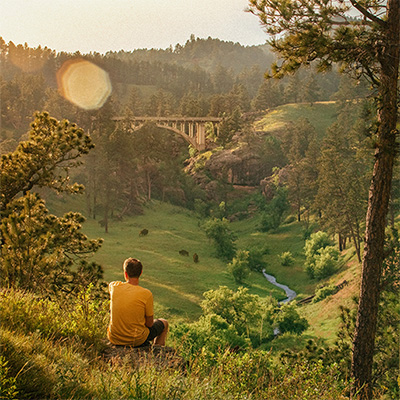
[{"x": 132, "y": 268}]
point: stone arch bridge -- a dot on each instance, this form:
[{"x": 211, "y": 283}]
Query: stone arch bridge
[{"x": 192, "y": 129}]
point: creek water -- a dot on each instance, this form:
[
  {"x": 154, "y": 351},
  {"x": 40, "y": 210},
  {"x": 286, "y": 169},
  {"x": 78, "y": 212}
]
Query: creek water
[{"x": 291, "y": 294}]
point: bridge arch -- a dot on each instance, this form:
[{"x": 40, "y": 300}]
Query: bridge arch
[{"x": 192, "y": 129}]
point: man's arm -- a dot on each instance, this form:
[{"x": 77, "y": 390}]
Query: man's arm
[
  {"x": 149, "y": 311},
  {"x": 149, "y": 321}
]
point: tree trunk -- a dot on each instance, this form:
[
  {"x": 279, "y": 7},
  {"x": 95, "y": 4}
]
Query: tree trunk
[
  {"x": 148, "y": 186},
  {"x": 379, "y": 194}
]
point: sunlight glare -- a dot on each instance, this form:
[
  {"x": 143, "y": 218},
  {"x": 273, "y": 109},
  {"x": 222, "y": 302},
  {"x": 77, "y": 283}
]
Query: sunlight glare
[{"x": 84, "y": 83}]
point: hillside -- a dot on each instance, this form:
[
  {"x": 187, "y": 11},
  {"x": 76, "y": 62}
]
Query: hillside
[
  {"x": 62, "y": 342},
  {"x": 178, "y": 283},
  {"x": 321, "y": 115}
]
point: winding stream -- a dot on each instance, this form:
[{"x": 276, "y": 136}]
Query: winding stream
[{"x": 291, "y": 294}]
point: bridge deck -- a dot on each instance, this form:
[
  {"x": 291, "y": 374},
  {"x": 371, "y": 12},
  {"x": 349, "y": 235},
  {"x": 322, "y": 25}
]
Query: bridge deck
[{"x": 170, "y": 119}]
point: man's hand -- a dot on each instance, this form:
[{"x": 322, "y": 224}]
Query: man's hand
[{"x": 149, "y": 321}]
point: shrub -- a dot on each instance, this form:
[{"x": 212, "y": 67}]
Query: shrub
[
  {"x": 324, "y": 292},
  {"x": 247, "y": 313},
  {"x": 321, "y": 256},
  {"x": 274, "y": 211},
  {"x": 202, "y": 208},
  {"x": 224, "y": 239},
  {"x": 307, "y": 232},
  {"x": 211, "y": 332},
  {"x": 255, "y": 259},
  {"x": 289, "y": 320},
  {"x": 325, "y": 262},
  {"x": 8, "y": 388},
  {"x": 286, "y": 258},
  {"x": 316, "y": 242},
  {"x": 239, "y": 267},
  {"x": 269, "y": 221}
]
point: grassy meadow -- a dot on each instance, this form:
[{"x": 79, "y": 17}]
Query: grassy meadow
[
  {"x": 178, "y": 283},
  {"x": 321, "y": 115}
]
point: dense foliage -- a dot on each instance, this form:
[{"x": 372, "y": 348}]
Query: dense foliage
[
  {"x": 222, "y": 236},
  {"x": 40, "y": 251}
]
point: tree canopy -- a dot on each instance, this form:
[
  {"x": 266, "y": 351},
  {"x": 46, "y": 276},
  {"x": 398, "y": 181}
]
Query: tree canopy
[
  {"x": 366, "y": 44},
  {"x": 37, "y": 249}
]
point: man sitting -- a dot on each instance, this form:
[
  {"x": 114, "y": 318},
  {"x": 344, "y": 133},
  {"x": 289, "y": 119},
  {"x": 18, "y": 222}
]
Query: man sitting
[{"x": 131, "y": 322}]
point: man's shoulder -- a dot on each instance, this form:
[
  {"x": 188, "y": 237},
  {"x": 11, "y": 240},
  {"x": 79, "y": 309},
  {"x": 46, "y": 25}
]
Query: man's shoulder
[
  {"x": 115, "y": 283},
  {"x": 145, "y": 291}
]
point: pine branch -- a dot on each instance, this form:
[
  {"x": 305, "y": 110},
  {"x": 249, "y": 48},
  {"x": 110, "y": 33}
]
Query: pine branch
[{"x": 367, "y": 14}]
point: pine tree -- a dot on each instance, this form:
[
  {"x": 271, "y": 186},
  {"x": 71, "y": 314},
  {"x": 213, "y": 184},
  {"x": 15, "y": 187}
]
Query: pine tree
[
  {"x": 38, "y": 250},
  {"x": 322, "y": 31}
]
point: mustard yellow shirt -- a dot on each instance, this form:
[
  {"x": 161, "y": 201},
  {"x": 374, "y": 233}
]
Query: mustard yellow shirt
[{"x": 130, "y": 304}]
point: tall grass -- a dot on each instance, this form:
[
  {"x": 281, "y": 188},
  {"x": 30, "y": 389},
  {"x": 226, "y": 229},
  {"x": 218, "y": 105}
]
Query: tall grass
[
  {"x": 54, "y": 351},
  {"x": 50, "y": 349}
]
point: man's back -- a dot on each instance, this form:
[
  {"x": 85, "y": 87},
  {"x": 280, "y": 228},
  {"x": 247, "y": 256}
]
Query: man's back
[{"x": 130, "y": 304}]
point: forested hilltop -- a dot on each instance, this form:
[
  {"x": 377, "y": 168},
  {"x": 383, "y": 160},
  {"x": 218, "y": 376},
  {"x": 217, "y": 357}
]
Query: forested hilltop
[
  {"x": 202, "y": 77},
  {"x": 281, "y": 188}
]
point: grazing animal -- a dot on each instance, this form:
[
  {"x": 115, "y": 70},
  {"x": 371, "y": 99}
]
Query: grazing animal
[
  {"x": 183, "y": 253},
  {"x": 143, "y": 232},
  {"x": 195, "y": 257}
]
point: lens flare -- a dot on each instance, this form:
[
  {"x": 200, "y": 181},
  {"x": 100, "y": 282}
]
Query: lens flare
[{"x": 84, "y": 83}]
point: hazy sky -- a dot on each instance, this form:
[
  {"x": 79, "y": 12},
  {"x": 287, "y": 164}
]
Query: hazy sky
[{"x": 102, "y": 25}]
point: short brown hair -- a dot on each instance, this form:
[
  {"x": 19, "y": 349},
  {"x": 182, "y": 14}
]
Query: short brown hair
[{"x": 133, "y": 267}]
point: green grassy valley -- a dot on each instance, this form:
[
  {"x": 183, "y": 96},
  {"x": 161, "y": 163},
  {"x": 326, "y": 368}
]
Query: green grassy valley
[
  {"x": 178, "y": 283},
  {"x": 222, "y": 167}
]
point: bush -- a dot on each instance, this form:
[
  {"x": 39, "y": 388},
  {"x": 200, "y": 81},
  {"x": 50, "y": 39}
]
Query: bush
[
  {"x": 317, "y": 241},
  {"x": 239, "y": 267},
  {"x": 249, "y": 314},
  {"x": 289, "y": 320},
  {"x": 324, "y": 292},
  {"x": 255, "y": 259},
  {"x": 325, "y": 262},
  {"x": 8, "y": 388},
  {"x": 286, "y": 258},
  {"x": 201, "y": 208},
  {"x": 211, "y": 332},
  {"x": 224, "y": 239},
  {"x": 321, "y": 256},
  {"x": 274, "y": 211},
  {"x": 269, "y": 222}
]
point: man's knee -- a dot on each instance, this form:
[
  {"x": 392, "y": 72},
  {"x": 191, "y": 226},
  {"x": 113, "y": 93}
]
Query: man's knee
[{"x": 166, "y": 324}]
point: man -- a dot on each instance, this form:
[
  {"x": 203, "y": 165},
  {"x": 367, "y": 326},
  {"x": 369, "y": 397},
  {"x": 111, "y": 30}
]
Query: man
[{"x": 131, "y": 322}]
